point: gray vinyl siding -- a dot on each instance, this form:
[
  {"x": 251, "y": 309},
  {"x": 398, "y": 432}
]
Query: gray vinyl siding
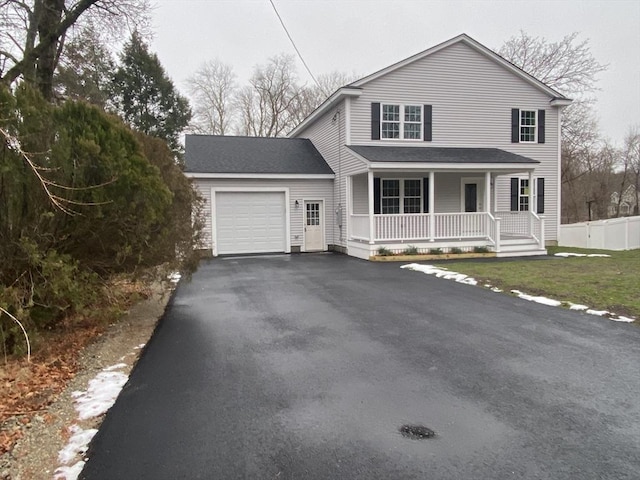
[
  {"x": 329, "y": 138},
  {"x": 472, "y": 97},
  {"x": 298, "y": 190}
]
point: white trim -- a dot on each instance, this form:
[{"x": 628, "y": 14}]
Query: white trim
[
  {"x": 264, "y": 176},
  {"x": 479, "y": 182},
  {"x": 285, "y": 190},
  {"x": 323, "y": 216},
  {"x": 347, "y": 121},
  {"x": 560, "y": 102},
  {"x": 327, "y": 105},
  {"x": 401, "y": 196},
  {"x": 470, "y": 167},
  {"x": 464, "y": 38}
]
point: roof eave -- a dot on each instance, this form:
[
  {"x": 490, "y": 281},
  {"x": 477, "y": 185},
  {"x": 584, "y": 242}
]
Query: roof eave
[
  {"x": 329, "y": 103},
  {"x": 445, "y": 166},
  {"x": 560, "y": 102}
]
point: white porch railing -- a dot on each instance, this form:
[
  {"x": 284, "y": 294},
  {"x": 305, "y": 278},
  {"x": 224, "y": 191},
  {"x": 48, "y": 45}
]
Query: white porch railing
[
  {"x": 443, "y": 226},
  {"x": 521, "y": 224}
]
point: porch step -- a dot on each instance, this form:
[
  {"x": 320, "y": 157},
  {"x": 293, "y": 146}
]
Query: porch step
[{"x": 520, "y": 247}]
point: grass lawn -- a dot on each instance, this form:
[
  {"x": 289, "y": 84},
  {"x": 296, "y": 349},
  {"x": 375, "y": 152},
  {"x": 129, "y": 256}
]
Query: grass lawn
[{"x": 601, "y": 283}]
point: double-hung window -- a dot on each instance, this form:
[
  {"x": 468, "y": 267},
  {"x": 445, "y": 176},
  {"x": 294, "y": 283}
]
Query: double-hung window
[
  {"x": 401, "y": 196},
  {"x": 523, "y": 195},
  {"x": 528, "y": 126},
  {"x": 401, "y": 122}
]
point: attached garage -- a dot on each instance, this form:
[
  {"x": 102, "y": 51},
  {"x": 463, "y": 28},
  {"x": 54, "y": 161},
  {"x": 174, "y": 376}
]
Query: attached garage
[
  {"x": 262, "y": 195},
  {"x": 250, "y": 222}
]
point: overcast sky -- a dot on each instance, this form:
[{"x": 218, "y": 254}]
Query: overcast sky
[{"x": 363, "y": 36}]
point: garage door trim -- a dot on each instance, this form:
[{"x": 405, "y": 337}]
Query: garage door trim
[{"x": 287, "y": 220}]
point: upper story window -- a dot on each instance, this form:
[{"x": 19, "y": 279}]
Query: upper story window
[
  {"x": 401, "y": 122},
  {"x": 528, "y": 126}
]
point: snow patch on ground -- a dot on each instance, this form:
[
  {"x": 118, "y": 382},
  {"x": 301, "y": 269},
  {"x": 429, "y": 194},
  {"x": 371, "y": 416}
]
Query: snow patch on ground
[
  {"x": 532, "y": 298},
  {"x": 174, "y": 277},
  {"x": 568, "y": 254},
  {"x": 100, "y": 395},
  {"x": 441, "y": 273}
]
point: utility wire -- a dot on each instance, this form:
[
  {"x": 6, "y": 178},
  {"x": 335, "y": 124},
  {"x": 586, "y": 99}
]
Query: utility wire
[{"x": 294, "y": 45}]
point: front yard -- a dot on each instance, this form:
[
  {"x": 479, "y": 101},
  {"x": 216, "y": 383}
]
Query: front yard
[{"x": 604, "y": 283}]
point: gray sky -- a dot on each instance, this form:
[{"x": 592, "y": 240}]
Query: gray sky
[{"x": 363, "y": 36}]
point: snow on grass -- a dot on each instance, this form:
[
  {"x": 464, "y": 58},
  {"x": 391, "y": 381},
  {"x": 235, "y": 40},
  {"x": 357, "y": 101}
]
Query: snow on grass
[
  {"x": 532, "y": 298},
  {"x": 441, "y": 273},
  {"x": 100, "y": 395},
  {"x": 592, "y": 255}
]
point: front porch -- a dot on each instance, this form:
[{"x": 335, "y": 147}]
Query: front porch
[{"x": 477, "y": 223}]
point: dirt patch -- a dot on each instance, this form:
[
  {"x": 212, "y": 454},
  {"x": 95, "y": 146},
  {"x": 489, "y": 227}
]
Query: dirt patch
[{"x": 41, "y": 428}]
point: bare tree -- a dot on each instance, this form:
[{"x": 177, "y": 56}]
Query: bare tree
[
  {"x": 213, "y": 90},
  {"x": 33, "y": 32},
  {"x": 310, "y": 97},
  {"x": 632, "y": 158},
  {"x": 569, "y": 67},
  {"x": 266, "y": 103}
]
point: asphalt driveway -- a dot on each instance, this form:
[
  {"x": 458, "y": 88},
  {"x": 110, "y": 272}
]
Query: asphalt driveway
[{"x": 305, "y": 367}]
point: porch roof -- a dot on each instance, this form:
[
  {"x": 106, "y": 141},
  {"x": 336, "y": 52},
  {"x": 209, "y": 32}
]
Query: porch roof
[{"x": 441, "y": 155}]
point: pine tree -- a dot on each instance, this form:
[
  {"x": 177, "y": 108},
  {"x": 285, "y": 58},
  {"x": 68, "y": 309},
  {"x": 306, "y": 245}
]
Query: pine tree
[{"x": 146, "y": 98}]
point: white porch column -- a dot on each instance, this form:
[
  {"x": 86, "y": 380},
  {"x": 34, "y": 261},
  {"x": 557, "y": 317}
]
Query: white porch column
[
  {"x": 487, "y": 192},
  {"x": 349, "y": 205},
  {"x": 372, "y": 234},
  {"x": 432, "y": 206},
  {"x": 531, "y": 205}
]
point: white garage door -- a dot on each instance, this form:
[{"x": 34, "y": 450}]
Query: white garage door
[{"x": 250, "y": 222}]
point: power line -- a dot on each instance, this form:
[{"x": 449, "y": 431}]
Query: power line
[{"x": 294, "y": 44}]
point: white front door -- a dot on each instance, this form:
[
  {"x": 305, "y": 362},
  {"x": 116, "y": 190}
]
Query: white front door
[{"x": 313, "y": 226}]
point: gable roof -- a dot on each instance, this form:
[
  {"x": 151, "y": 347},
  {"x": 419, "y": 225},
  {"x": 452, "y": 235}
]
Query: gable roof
[
  {"x": 453, "y": 155},
  {"x": 475, "y": 45},
  {"x": 354, "y": 88},
  {"x": 247, "y": 155}
]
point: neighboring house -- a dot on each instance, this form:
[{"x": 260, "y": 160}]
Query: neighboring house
[
  {"x": 627, "y": 203},
  {"x": 454, "y": 147}
]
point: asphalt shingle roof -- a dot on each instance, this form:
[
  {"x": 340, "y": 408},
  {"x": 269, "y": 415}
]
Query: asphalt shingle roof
[
  {"x": 438, "y": 155},
  {"x": 226, "y": 154}
]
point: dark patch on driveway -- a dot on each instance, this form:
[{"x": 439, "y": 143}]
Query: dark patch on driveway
[{"x": 304, "y": 367}]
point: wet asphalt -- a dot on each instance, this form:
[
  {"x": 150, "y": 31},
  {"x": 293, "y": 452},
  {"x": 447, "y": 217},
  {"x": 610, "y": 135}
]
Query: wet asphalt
[{"x": 306, "y": 366}]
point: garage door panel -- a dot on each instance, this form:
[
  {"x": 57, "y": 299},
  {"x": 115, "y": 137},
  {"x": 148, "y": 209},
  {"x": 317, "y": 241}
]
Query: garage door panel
[{"x": 250, "y": 222}]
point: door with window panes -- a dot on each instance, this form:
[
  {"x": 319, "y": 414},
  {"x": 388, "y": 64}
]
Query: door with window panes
[{"x": 313, "y": 225}]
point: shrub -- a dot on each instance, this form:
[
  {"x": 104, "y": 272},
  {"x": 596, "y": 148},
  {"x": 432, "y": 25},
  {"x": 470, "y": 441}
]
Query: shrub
[
  {"x": 411, "y": 250},
  {"x": 455, "y": 251},
  {"x": 435, "y": 251},
  {"x": 384, "y": 252},
  {"x": 480, "y": 249}
]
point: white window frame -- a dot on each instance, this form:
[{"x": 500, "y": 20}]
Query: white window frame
[
  {"x": 526, "y": 195},
  {"x": 534, "y": 126},
  {"x": 401, "y": 121},
  {"x": 401, "y": 196}
]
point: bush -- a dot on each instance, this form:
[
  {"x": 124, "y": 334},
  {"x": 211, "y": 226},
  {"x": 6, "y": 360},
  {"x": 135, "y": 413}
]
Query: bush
[
  {"x": 384, "y": 252},
  {"x": 455, "y": 251},
  {"x": 411, "y": 250},
  {"x": 480, "y": 249},
  {"x": 435, "y": 251}
]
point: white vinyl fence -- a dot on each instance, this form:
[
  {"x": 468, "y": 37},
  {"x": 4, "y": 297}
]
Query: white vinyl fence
[{"x": 612, "y": 234}]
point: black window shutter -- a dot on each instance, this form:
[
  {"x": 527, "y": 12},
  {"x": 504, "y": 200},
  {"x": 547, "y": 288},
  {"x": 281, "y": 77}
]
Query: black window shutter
[
  {"x": 425, "y": 195},
  {"x": 541, "y": 126},
  {"x": 515, "y": 125},
  {"x": 375, "y": 121},
  {"x": 427, "y": 134},
  {"x": 376, "y": 195},
  {"x": 540, "y": 199},
  {"x": 515, "y": 190}
]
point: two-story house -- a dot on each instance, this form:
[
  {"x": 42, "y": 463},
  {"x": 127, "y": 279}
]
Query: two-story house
[{"x": 454, "y": 147}]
